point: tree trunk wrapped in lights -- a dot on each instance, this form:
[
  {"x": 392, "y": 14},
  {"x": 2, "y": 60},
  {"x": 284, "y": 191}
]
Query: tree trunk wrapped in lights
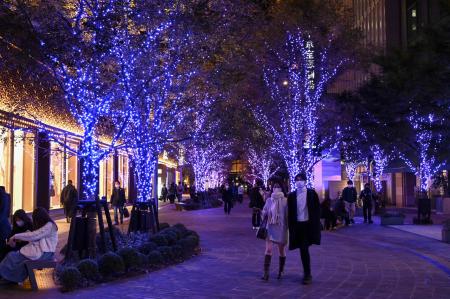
[
  {"x": 381, "y": 159},
  {"x": 297, "y": 80}
]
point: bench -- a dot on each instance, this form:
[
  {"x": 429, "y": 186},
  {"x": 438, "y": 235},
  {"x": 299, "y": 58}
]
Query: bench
[
  {"x": 179, "y": 206},
  {"x": 37, "y": 265}
]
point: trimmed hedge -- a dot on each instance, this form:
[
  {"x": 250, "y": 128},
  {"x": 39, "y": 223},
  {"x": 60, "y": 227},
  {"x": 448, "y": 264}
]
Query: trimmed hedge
[
  {"x": 171, "y": 245},
  {"x": 89, "y": 269},
  {"x": 148, "y": 247},
  {"x": 111, "y": 264},
  {"x": 70, "y": 278},
  {"x": 130, "y": 257}
]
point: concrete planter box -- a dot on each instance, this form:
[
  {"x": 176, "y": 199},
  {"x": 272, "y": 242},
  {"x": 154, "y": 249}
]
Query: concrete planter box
[
  {"x": 446, "y": 235},
  {"x": 446, "y": 231},
  {"x": 446, "y": 205},
  {"x": 392, "y": 219}
]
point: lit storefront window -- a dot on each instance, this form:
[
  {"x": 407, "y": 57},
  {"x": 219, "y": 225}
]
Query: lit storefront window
[
  {"x": 123, "y": 173},
  {"x": 17, "y": 148},
  {"x": 5, "y": 159},
  {"x": 56, "y": 174}
]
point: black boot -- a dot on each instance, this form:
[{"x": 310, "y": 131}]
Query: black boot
[
  {"x": 281, "y": 266},
  {"x": 267, "y": 259}
]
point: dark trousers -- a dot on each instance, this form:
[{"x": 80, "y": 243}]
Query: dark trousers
[
  {"x": 302, "y": 232},
  {"x": 227, "y": 207},
  {"x": 367, "y": 211},
  {"x": 118, "y": 210},
  {"x": 306, "y": 259},
  {"x": 256, "y": 218},
  {"x": 330, "y": 220}
]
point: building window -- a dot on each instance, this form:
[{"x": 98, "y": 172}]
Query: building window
[
  {"x": 412, "y": 20},
  {"x": 5, "y": 159}
]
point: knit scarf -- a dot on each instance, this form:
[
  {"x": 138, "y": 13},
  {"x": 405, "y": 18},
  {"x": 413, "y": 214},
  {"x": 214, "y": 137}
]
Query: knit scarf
[{"x": 275, "y": 207}]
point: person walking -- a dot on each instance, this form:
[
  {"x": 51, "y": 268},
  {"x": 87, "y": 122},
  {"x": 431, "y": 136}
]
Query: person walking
[
  {"x": 339, "y": 209},
  {"x": 118, "y": 201},
  {"x": 256, "y": 204},
  {"x": 350, "y": 195},
  {"x": 20, "y": 224},
  {"x": 41, "y": 246},
  {"x": 164, "y": 193},
  {"x": 240, "y": 193},
  {"x": 5, "y": 208},
  {"x": 328, "y": 215},
  {"x": 275, "y": 209},
  {"x": 180, "y": 192},
  {"x": 366, "y": 196},
  {"x": 304, "y": 222},
  {"x": 227, "y": 198},
  {"x": 69, "y": 199},
  {"x": 172, "y": 192}
]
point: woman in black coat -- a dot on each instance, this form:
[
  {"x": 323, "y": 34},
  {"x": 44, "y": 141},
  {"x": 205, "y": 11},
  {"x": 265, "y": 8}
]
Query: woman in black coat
[
  {"x": 304, "y": 229},
  {"x": 21, "y": 223}
]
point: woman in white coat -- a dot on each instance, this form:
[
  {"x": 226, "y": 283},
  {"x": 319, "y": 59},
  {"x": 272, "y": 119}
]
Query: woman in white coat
[
  {"x": 275, "y": 209},
  {"x": 41, "y": 245}
]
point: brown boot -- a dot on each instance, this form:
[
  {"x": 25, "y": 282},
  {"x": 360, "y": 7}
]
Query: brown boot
[
  {"x": 281, "y": 266},
  {"x": 267, "y": 259}
]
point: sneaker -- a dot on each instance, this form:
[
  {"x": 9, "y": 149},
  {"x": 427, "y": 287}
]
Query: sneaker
[
  {"x": 307, "y": 279},
  {"x": 365, "y": 221},
  {"x": 370, "y": 222}
]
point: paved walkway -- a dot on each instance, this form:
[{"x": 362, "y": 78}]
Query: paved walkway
[{"x": 361, "y": 261}]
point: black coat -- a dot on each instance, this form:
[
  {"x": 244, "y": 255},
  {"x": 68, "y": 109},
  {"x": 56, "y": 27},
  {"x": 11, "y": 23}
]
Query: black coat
[
  {"x": 118, "y": 197},
  {"x": 349, "y": 194},
  {"x": 314, "y": 227},
  {"x": 227, "y": 195},
  {"x": 69, "y": 198},
  {"x": 256, "y": 199},
  {"x": 366, "y": 196},
  {"x": 5, "y": 209}
]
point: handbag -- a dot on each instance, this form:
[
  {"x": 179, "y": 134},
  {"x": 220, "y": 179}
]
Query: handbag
[
  {"x": 262, "y": 230},
  {"x": 126, "y": 213}
]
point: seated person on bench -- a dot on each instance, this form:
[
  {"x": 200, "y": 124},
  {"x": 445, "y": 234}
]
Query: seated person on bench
[
  {"x": 41, "y": 247},
  {"x": 21, "y": 223}
]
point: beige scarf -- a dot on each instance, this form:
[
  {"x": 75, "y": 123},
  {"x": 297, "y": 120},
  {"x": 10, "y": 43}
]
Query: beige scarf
[{"x": 275, "y": 207}]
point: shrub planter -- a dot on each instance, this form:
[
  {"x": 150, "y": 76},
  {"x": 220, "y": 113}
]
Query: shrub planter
[
  {"x": 392, "y": 219},
  {"x": 138, "y": 253}
]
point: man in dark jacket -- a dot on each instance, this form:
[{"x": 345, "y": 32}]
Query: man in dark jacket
[
  {"x": 69, "y": 198},
  {"x": 349, "y": 195},
  {"x": 118, "y": 201},
  {"x": 5, "y": 210},
  {"x": 164, "y": 193},
  {"x": 227, "y": 198},
  {"x": 256, "y": 204},
  {"x": 304, "y": 222},
  {"x": 366, "y": 196}
]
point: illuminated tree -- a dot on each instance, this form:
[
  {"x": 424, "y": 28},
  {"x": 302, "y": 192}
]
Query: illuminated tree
[
  {"x": 150, "y": 83},
  {"x": 87, "y": 76},
  {"x": 297, "y": 81},
  {"x": 204, "y": 151},
  {"x": 261, "y": 163},
  {"x": 424, "y": 162},
  {"x": 381, "y": 159}
]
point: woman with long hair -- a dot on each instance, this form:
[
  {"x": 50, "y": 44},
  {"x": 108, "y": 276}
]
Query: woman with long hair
[
  {"x": 20, "y": 224},
  {"x": 275, "y": 209},
  {"x": 41, "y": 245}
]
